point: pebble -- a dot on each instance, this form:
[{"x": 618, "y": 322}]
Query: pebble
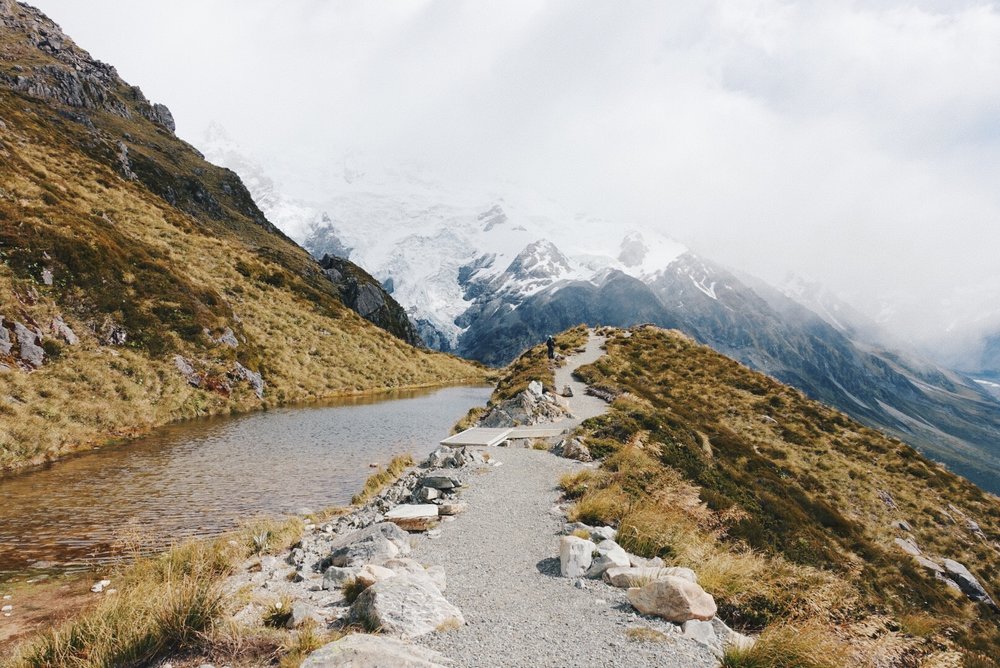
[{"x": 7, "y": 608}]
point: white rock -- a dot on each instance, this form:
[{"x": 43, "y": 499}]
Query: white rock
[
  {"x": 334, "y": 577},
  {"x": 575, "y": 556},
  {"x": 603, "y": 533},
  {"x": 6, "y": 608},
  {"x": 674, "y": 599},
  {"x": 535, "y": 388},
  {"x": 908, "y": 545},
  {"x": 625, "y": 577},
  {"x": 642, "y": 562},
  {"x": 369, "y": 574},
  {"x": 98, "y": 587},
  {"x": 405, "y": 606},
  {"x": 452, "y": 507},
  {"x": 361, "y": 650},
  {"x": 609, "y": 555}
]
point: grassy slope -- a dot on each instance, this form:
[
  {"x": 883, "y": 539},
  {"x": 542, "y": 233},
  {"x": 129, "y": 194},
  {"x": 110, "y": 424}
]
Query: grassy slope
[
  {"x": 121, "y": 253},
  {"x": 784, "y": 506}
]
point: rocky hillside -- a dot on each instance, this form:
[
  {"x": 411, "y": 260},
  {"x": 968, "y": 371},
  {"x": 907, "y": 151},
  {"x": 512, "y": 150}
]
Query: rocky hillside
[
  {"x": 140, "y": 284},
  {"x": 793, "y": 514}
]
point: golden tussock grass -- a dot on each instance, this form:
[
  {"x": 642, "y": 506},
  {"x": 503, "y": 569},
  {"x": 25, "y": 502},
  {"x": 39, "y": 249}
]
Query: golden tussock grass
[
  {"x": 382, "y": 478},
  {"x": 778, "y": 503},
  {"x": 792, "y": 646}
]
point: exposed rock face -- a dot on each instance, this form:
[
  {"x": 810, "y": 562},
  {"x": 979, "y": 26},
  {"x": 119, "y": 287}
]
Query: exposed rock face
[
  {"x": 674, "y": 599},
  {"x": 361, "y": 650},
  {"x": 405, "y": 606},
  {"x": 253, "y": 377},
  {"x": 363, "y": 294},
  {"x": 187, "y": 370},
  {"x": 967, "y": 582},
  {"x": 29, "y": 350},
  {"x": 63, "y": 331},
  {"x": 6, "y": 345},
  {"x": 575, "y": 556}
]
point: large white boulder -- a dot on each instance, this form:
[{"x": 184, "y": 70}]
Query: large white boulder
[
  {"x": 575, "y": 556},
  {"x": 361, "y": 650},
  {"x": 405, "y": 606},
  {"x": 673, "y": 598},
  {"x": 633, "y": 576}
]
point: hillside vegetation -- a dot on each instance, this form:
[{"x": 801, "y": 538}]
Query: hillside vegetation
[
  {"x": 140, "y": 284},
  {"x": 788, "y": 510}
]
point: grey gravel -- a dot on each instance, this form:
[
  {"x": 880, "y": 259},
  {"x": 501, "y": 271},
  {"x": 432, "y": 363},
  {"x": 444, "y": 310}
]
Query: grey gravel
[{"x": 501, "y": 556}]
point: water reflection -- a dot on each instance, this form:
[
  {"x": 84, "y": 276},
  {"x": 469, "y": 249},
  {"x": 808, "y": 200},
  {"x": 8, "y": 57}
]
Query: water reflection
[{"x": 202, "y": 477}]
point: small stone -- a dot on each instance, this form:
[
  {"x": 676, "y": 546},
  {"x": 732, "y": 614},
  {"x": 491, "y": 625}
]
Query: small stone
[
  {"x": 425, "y": 494},
  {"x": 452, "y": 507},
  {"x": 7, "y": 608},
  {"x": 902, "y": 525},
  {"x": 98, "y": 587}
]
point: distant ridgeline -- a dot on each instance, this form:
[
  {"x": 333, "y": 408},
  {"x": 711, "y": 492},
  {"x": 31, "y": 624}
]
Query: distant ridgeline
[{"x": 140, "y": 284}]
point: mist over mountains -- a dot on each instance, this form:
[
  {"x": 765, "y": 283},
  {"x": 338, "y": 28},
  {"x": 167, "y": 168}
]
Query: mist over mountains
[{"x": 487, "y": 274}]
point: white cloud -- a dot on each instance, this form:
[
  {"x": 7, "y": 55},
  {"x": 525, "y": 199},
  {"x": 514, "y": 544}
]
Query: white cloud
[{"x": 855, "y": 142}]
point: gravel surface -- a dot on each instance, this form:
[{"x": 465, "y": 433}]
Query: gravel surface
[{"x": 502, "y": 565}]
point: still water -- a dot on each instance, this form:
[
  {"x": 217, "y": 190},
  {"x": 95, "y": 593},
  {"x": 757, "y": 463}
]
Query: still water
[{"x": 204, "y": 477}]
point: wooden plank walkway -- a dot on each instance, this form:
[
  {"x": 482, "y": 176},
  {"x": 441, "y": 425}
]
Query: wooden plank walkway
[{"x": 478, "y": 436}]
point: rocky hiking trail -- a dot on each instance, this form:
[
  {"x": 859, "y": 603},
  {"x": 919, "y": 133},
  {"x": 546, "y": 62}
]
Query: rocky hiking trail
[
  {"x": 465, "y": 561},
  {"x": 502, "y": 561}
]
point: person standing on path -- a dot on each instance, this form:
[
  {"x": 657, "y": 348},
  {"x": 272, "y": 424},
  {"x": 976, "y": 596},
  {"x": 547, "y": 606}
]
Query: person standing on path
[{"x": 550, "y": 343}]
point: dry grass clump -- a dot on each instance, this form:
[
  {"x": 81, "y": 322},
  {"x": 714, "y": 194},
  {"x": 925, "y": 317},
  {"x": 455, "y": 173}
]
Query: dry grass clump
[
  {"x": 353, "y": 588},
  {"x": 379, "y": 480},
  {"x": 576, "y": 483},
  {"x": 791, "y": 646},
  {"x": 644, "y": 634}
]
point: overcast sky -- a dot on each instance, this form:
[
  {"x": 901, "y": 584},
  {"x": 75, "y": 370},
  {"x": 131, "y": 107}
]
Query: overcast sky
[{"x": 857, "y": 143}]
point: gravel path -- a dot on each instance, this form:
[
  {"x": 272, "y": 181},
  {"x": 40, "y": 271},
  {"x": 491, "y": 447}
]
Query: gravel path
[{"x": 501, "y": 560}]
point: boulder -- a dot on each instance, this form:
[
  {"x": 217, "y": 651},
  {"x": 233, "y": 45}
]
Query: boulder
[
  {"x": 335, "y": 576},
  {"x": 369, "y": 574},
  {"x": 253, "y": 378},
  {"x": 967, "y": 582},
  {"x": 187, "y": 370},
  {"x": 413, "y": 517},
  {"x": 609, "y": 554},
  {"x": 374, "y": 544},
  {"x": 902, "y": 525},
  {"x": 5, "y": 343},
  {"x": 301, "y": 613},
  {"x": 632, "y": 576},
  {"x": 440, "y": 482},
  {"x": 907, "y": 545},
  {"x": 452, "y": 507},
  {"x": 405, "y": 606},
  {"x": 573, "y": 448},
  {"x": 415, "y": 569},
  {"x": 928, "y": 564},
  {"x": 567, "y": 391},
  {"x": 536, "y": 388},
  {"x": 445, "y": 458},
  {"x": 425, "y": 494},
  {"x": 63, "y": 331},
  {"x": 673, "y": 598},
  {"x": 603, "y": 533},
  {"x": 642, "y": 562},
  {"x": 575, "y": 556},
  {"x": 361, "y": 650},
  {"x": 29, "y": 350}
]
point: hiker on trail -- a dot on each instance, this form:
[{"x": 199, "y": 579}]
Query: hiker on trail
[{"x": 550, "y": 343}]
